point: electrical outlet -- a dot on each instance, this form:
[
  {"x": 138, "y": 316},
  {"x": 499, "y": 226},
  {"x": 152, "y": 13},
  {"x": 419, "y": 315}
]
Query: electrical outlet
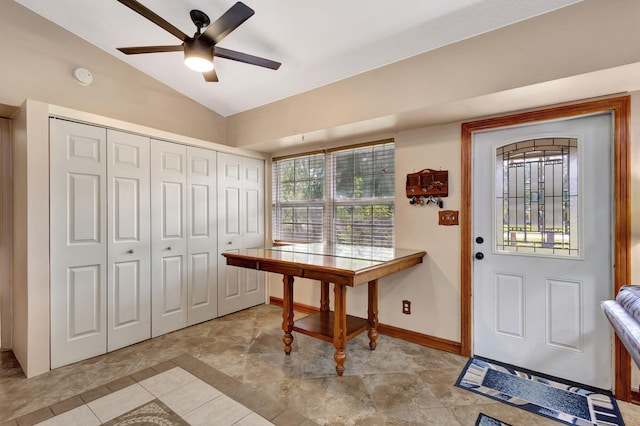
[{"x": 406, "y": 307}]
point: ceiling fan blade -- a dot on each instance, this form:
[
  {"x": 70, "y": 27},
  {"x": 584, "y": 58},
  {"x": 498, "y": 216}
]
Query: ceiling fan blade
[
  {"x": 150, "y": 49},
  {"x": 243, "y": 57},
  {"x": 210, "y": 76},
  {"x": 232, "y": 18},
  {"x": 151, "y": 15}
]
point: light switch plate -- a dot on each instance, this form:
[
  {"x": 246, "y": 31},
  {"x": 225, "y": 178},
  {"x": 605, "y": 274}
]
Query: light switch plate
[{"x": 448, "y": 217}]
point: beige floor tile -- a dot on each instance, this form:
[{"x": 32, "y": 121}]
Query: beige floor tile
[
  {"x": 81, "y": 415},
  {"x": 630, "y": 413},
  {"x": 222, "y": 411},
  {"x": 187, "y": 398},
  {"x": 167, "y": 381},
  {"x": 111, "y": 406},
  {"x": 253, "y": 420}
]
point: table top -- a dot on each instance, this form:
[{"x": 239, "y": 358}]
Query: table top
[{"x": 350, "y": 265}]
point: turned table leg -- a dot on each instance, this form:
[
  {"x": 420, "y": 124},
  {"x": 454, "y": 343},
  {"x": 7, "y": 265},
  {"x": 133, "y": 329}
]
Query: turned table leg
[
  {"x": 324, "y": 297},
  {"x": 339, "y": 327},
  {"x": 373, "y": 314},
  {"x": 287, "y": 313}
]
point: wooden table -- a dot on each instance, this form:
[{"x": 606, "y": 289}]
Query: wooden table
[{"x": 344, "y": 266}]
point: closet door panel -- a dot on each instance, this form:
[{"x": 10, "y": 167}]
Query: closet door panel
[
  {"x": 202, "y": 230},
  {"x": 129, "y": 278},
  {"x": 253, "y": 236},
  {"x": 169, "y": 237},
  {"x": 240, "y": 225},
  {"x": 77, "y": 241},
  {"x": 229, "y": 232}
]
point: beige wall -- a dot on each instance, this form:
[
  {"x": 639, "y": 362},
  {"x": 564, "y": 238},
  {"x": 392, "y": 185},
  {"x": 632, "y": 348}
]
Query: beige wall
[
  {"x": 38, "y": 58},
  {"x": 590, "y": 36}
]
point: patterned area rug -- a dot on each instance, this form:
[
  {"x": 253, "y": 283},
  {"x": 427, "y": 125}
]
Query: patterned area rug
[
  {"x": 558, "y": 401},
  {"x": 151, "y": 413},
  {"x": 484, "y": 420}
]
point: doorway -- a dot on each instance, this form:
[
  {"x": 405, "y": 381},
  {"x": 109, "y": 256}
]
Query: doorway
[
  {"x": 542, "y": 247},
  {"x": 620, "y": 210}
]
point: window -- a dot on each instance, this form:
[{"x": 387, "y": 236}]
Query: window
[
  {"x": 537, "y": 197},
  {"x": 342, "y": 196}
]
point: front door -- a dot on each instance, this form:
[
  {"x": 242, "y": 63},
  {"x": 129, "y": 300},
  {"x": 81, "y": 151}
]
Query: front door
[{"x": 542, "y": 226}]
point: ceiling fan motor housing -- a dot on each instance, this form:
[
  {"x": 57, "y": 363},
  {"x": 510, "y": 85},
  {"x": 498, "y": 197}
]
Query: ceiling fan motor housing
[{"x": 198, "y": 54}]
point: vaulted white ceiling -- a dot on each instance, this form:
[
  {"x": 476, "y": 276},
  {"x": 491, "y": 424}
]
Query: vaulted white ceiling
[{"x": 317, "y": 42}]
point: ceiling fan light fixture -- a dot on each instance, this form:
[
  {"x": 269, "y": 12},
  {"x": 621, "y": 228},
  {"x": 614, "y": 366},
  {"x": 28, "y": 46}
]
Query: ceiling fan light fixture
[{"x": 198, "y": 55}]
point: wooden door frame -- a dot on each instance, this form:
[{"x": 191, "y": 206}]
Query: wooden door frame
[{"x": 621, "y": 108}]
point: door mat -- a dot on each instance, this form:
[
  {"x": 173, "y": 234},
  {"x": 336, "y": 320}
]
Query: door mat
[
  {"x": 562, "y": 402},
  {"x": 484, "y": 420}
]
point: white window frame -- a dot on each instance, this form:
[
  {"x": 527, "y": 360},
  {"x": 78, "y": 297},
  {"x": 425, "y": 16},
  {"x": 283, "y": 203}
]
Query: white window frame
[{"x": 329, "y": 202}]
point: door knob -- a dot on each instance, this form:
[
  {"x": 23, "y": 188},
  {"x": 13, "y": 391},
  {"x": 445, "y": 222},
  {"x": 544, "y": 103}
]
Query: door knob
[
  {"x": 169, "y": 248},
  {"x": 479, "y": 240},
  {"x": 130, "y": 251},
  {"x": 479, "y": 255}
]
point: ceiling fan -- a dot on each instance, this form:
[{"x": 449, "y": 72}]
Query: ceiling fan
[{"x": 200, "y": 49}]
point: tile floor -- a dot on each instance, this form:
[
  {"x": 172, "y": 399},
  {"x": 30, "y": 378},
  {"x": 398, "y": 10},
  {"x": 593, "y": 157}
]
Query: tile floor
[
  {"x": 181, "y": 391},
  {"x": 399, "y": 383}
]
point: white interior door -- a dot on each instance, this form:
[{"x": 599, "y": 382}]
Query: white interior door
[
  {"x": 542, "y": 219},
  {"x": 129, "y": 275},
  {"x": 78, "y": 249},
  {"x": 202, "y": 231},
  {"x": 168, "y": 237},
  {"x": 240, "y": 225},
  {"x": 253, "y": 236}
]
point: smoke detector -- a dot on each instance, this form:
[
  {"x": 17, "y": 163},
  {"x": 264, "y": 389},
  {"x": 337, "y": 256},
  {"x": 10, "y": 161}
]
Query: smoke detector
[{"x": 82, "y": 76}]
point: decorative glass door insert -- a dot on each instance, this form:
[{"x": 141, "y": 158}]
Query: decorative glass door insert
[{"x": 537, "y": 202}]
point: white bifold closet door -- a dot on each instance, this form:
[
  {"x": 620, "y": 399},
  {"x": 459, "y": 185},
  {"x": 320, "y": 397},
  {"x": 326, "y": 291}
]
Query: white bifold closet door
[
  {"x": 202, "y": 246},
  {"x": 78, "y": 214},
  {"x": 240, "y": 225},
  {"x": 129, "y": 245},
  {"x": 184, "y": 240},
  {"x": 100, "y": 278}
]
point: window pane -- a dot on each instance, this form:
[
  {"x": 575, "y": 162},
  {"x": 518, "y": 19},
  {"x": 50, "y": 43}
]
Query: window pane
[
  {"x": 286, "y": 192},
  {"x": 301, "y": 191},
  {"x": 300, "y": 223},
  {"x": 343, "y": 174},
  {"x": 365, "y": 224},
  {"x": 537, "y": 212}
]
